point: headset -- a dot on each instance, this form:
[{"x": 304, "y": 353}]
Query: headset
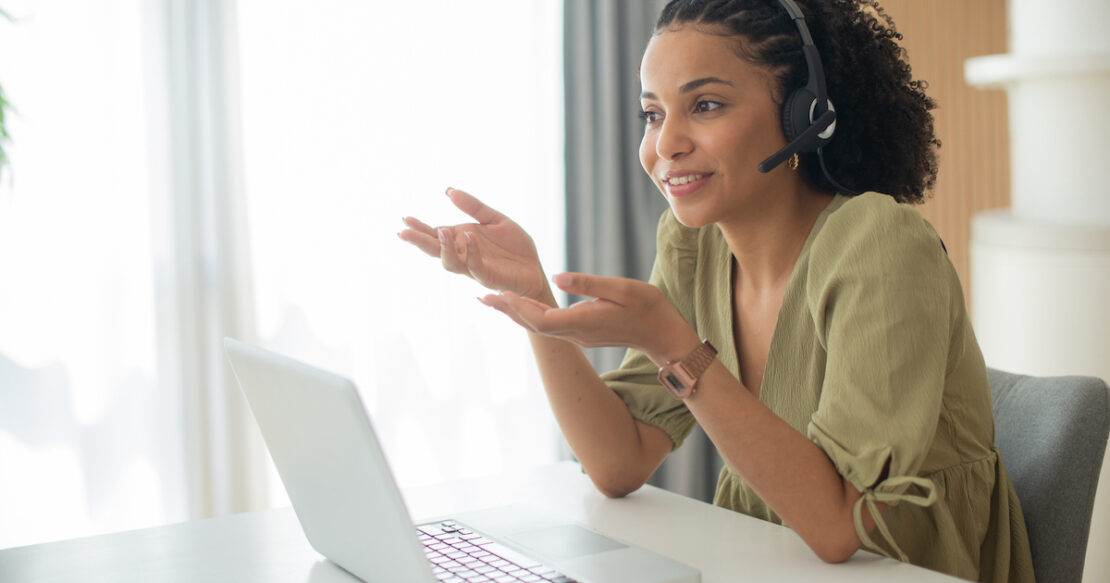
[{"x": 808, "y": 116}]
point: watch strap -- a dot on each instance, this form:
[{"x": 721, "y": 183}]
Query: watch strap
[{"x": 699, "y": 359}]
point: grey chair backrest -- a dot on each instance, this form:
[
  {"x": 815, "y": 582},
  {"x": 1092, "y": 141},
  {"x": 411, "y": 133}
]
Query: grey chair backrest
[{"x": 1052, "y": 434}]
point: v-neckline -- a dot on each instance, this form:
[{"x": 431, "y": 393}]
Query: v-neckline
[{"x": 730, "y": 264}]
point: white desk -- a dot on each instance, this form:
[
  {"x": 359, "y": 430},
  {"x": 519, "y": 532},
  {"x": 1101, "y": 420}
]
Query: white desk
[{"x": 269, "y": 545}]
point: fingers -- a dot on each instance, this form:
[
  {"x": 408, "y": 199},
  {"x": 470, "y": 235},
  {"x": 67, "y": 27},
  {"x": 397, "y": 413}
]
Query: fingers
[
  {"x": 526, "y": 312},
  {"x": 474, "y": 264},
  {"x": 419, "y": 226},
  {"x": 456, "y": 247},
  {"x": 614, "y": 289},
  {"x": 538, "y": 316},
  {"x": 421, "y": 236},
  {"x": 567, "y": 323},
  {"x": 451, "y": 252},
  {"x": 473, "y": 207},
  {"x": 501, "y": 304}
]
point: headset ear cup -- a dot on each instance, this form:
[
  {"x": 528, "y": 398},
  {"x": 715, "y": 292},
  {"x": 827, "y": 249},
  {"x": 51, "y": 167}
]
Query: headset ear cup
[{"x": 795, "y": 116}]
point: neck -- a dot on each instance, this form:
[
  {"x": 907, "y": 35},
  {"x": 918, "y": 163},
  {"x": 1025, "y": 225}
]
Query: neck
[{"x": 767, "y": 240}]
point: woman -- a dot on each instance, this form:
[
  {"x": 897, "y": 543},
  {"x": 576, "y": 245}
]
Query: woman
[{"x": 839, "y": 376}]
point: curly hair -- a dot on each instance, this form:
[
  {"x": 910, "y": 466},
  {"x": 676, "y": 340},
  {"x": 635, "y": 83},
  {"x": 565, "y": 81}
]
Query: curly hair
[{"x": 884, "y": 137}]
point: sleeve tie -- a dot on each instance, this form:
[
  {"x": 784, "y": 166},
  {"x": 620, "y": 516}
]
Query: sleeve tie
[{"x": 891, "y": 492}]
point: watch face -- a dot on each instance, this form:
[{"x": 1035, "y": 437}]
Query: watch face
[
  {"x": 675, "y": 382},
  {"x": 677, "y": 379}
]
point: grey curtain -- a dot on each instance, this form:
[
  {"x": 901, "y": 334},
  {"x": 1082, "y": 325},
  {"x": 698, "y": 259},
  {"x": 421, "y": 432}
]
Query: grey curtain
[{"x": 612, "y": 207}]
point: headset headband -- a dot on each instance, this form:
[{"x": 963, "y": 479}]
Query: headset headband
[{"x": 816, "y": 81}]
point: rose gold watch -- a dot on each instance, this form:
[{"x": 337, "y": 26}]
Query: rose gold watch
[{"x": 681, "y": 376}]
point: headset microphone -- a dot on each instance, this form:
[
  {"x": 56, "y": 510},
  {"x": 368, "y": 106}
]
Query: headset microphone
[{"x": 798, "y": 144}]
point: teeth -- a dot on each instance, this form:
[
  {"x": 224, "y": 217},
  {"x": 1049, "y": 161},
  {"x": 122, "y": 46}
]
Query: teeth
[{"x": 680, "y": 180}]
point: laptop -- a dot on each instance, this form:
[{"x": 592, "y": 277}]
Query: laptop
[{"x": 351, "y": 511}]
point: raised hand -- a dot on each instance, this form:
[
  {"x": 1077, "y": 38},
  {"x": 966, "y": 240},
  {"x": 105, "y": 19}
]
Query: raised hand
[{"x": 495, "y": 251}]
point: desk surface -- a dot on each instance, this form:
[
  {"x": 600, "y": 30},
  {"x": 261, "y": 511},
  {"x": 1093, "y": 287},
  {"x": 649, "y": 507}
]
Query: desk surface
[{"x": 269, "y": 545}]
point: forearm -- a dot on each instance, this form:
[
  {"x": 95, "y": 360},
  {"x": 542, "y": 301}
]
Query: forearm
[
  {"x": 595, "y": 421},
  {"x": 788, "y": 471}
]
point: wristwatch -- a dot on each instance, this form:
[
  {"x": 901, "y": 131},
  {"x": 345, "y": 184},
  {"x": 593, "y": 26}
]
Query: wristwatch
[{"x": 681, "y": 376}]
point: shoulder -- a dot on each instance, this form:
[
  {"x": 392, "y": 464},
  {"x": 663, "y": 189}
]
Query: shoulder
[
  {"x": 875, "y": 229},
  {"x": 878, "y": 275}
]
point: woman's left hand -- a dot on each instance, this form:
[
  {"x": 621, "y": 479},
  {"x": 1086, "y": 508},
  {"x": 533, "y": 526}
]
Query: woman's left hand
[{"x": 625, "y": 312}]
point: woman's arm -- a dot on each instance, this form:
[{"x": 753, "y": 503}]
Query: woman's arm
[
  {"x": 789, "y": 472},
  {"x": 618, "y": 452}
]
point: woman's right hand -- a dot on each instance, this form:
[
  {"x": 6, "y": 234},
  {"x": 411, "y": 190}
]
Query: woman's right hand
[{"x": 495, "y": 251}]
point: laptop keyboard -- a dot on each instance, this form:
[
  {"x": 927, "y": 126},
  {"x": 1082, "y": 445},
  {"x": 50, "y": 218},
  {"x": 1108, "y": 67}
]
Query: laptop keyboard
[{"x": 460, "y": 555}]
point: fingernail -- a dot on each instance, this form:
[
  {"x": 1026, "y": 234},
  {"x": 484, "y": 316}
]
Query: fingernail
[
  {"x": 442, "y": 236},
  {"x": 448, "y": 191},
  {"x": 561, "y": 279}
]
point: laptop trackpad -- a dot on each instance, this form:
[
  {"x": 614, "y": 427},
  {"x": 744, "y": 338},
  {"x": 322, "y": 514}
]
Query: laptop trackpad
[{"x": 564, "y": 542}]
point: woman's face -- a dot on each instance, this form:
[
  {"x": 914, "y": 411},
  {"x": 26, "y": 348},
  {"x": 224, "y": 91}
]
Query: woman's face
[{"x": 709, "y": 121}]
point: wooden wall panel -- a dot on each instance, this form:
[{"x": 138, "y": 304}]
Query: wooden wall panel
[{"x": 939, "y": 35}]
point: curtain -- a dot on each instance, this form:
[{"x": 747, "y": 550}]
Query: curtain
[
  {"x": 91, "y": 432},
  {"x": 200, "y": 246},
  {"x": 612, "y": 206}
]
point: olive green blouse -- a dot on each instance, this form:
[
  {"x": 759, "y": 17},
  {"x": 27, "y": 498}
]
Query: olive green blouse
[{"x": 874, "y": 359}]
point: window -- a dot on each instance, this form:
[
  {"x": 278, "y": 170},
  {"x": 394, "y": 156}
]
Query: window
[
  {"x": 351, "y": 115},
  {"x": 88, "y": 441},
  {"x": 367, "y": 117}
]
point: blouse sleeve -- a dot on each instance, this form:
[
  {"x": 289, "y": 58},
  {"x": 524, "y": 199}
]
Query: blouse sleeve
[
  {"x": 880, "y": 289},
  {"x": 636, "y": 381}
]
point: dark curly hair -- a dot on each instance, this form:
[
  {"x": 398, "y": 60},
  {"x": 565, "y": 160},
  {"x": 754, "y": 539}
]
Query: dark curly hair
[{"x": 884, "y": 131}]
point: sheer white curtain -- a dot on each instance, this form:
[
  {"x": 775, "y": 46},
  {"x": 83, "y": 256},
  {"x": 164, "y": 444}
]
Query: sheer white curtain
[
  {"x": 90, "y": 440},
  {"x": 357, "y": 114},
  {"x": 185, "y": 170}
]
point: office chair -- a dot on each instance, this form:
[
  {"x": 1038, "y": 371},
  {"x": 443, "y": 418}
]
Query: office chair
[{"x": 1052, "y": 433}]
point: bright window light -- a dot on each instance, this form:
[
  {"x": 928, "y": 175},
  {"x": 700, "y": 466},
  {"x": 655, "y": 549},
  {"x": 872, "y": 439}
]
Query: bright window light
[
  {"x": 88, "y": 442},
  {"x": 357, "y": 114},
  {"x": 354, "y": 114}
]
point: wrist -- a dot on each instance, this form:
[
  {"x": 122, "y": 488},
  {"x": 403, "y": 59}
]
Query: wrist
[
  {"x": 672, "y": 347},
  {"x": 535, "y": 288},
  {"x": 542, "y": 293},
  {"x": 680, "y": 377}
]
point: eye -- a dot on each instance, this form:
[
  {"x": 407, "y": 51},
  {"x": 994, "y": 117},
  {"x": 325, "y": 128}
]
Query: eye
[
  {"x": 649, "y": 116},
  {"x": 705, "y": 106}
]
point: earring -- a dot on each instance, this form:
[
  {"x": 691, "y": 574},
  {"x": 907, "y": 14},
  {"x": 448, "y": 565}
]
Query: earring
[{"x": 793, "y": 162}]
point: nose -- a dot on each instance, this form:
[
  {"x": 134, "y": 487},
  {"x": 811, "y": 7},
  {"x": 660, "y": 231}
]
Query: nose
[{"x": 673, "y": 140}]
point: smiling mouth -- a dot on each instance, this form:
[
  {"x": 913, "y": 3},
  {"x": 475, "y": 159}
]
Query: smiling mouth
[{"x": 680, "y": 180}]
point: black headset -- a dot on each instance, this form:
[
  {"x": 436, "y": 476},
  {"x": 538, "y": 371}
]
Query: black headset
[{"x": 808, "y": 116}]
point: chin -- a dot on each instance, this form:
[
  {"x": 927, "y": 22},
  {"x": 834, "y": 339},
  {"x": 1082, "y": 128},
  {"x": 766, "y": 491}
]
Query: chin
[{"x": 690, "y": 217}]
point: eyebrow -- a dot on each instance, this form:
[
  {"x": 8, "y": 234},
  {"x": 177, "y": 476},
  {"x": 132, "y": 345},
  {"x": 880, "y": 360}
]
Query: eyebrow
[{"x": 691, "y": 86}]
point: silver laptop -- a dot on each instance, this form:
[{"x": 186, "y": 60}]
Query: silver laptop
[{"x": 343, "y": 493}]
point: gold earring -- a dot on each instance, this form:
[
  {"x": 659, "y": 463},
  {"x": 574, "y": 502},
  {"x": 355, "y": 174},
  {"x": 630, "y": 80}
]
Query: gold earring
[{"x": 793, "y": 163}]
